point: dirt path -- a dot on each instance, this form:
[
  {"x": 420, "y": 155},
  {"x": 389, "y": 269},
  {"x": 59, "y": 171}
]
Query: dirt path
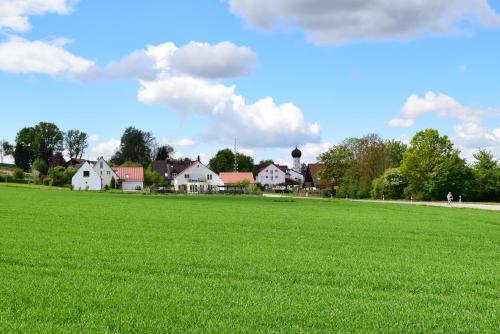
[{"x": 491, "y": 207}]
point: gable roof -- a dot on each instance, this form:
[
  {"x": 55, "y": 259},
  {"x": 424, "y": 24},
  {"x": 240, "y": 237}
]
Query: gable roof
[
  {"x": 129, "y": 174},
  {"x": 236, "y": 177},
  {"x": 260, "y": 167},
  {"x": 311, "y": 177}
]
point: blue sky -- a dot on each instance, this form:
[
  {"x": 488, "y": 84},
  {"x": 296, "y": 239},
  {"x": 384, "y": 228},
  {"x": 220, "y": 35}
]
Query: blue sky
[{"x": 343, "y": 78}]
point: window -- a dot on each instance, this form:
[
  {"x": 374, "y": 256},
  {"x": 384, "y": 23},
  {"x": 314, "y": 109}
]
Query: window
[
  {"x": 173, "y": 174},
  {"x": 86, "y": 173},
  {"x": 101, "y": 164},
  {"x": 209, "y": 176},
  {"x": 108, "y": 172},
  {"x": 186, "y": 176}
]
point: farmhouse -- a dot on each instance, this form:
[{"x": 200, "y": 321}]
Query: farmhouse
[
  {"x": 272, "y": 175},
  {"x": 130, "y": 178},
  {"x": 312, "y": 179},
  {"x": 105, "y": 172},
  {"x": 86, "y": 178},
  {"x": 197, "y": 178},
  {"x": 168, "y": 169},
  {"x": 235, "y": 180}
]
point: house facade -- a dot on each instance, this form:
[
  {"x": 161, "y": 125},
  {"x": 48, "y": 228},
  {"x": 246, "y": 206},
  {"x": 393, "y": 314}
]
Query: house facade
[
  {"x": 312, "y": 179},
  {"x": 197, "y": 178},
  {"x": 86, "y": 178},
  {"x": 105, "y": 172},
  {"x": 130, "y": 178},
  {"x": 169, "y": 169},
  {"x": 271, "y": 175}
]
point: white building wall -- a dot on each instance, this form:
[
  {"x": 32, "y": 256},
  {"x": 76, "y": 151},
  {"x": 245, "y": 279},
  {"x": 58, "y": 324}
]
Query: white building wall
[
  {"x": 297, "y": 177},
  {"x": 197, "y": 178},
  {"x": 131, "y": 185},
  {"x": 90, "y": 182},
  {"x": 271, "y": 176},
  {"x": 105, "y": 172}
]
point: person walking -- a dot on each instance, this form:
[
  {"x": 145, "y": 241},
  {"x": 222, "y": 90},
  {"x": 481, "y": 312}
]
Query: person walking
[{"x": 450, "y": 198}]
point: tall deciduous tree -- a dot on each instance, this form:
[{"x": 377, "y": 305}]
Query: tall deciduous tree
[
  {"x": 57, "y": 160},
  {"x": 7, "y": 148},
  {"x": 164, "y": 152},
  {"x": 223, "y": 161},
  {"x": 75, "y": 142},
  {"x": 25, "y": 150},
  {"x": 486, "y": 176},
  {"x": 427, "y": 151},
  {"x": 136, "y": 146},
  {"x": 48, "y": 139}
]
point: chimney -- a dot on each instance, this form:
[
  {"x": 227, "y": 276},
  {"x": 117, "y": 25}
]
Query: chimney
[{"x": 198, "y": 159}]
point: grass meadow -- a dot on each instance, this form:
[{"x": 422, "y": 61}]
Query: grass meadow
[{"x": 111, "y": 263}]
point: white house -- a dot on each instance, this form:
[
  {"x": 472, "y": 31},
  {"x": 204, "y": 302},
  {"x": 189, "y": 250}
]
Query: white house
[
  {"x": 86, "y": 178},
  {"x": 196, "y": 178},
  {"x": 295, "y": 177},
  {"x": 105, "y": 172},
  {"x": 271, "y": 175},
  {"x": 130, "y": 178}
]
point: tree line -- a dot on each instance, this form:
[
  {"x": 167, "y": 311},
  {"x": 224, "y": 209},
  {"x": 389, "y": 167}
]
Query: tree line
[{"x": 427, "y": 168}]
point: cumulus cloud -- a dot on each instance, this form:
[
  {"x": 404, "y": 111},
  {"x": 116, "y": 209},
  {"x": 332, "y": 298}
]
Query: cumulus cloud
[
  {"x": 104, "y": 149},
  {"x": 337, "y": 22},
  {"x": 201, "y": 60},
  {"x": 18, "y": 55},
  {"x": 188, "y": 90},
  {"x": 470, "y": 133},
  {"x": 14, "y": 13}
]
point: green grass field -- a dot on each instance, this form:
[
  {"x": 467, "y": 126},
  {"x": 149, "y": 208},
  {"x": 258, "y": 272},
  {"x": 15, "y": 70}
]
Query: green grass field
[{"x": 95, "y": 262}]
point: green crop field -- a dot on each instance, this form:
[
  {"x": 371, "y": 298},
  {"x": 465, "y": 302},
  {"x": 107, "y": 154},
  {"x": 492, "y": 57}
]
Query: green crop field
[{"x": 106, "y": 262}]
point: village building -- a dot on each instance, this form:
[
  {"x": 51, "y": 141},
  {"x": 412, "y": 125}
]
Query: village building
[
  {"x": 235, "y": 180},
  {"x": 197, "y": 178},
  {"x": 105, "y": 172},
  {"x": 312, "y": 179},
  {"x": 272, "y": 175},
  {"x": 169, "y": 169},
  {"x": 130, "y": 178},
  {"x": 86, "y": 178}
]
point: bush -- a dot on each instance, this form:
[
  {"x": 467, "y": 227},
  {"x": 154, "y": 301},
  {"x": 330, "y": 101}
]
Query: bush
[
  {"x": 390, "y": 185},
  {"x": 40, "y": 166},
  {"x": 60, "y": 176},
  {"x": 113, "y": 183},
  {"x": 18, "y": 174}
]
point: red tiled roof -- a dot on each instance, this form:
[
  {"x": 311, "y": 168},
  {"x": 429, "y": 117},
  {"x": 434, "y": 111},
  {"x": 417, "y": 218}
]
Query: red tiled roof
[
  {"x": 231, "y": 178},
  {"x": 132, "y": 174}
]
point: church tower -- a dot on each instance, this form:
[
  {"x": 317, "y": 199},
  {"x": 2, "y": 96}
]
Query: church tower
[{"x": 296, "y": 154}]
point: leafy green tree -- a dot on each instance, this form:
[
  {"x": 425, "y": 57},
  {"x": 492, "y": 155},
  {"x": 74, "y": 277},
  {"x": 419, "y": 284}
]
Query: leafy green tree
[
  {"x": 486, "y": 172},
  {"x": 164, "y": 152},
  {"x": 136, "y": 146},
  {"x": 48, "y": 139},
  {"x": 266, "y": 162},
  {"x": 130, "y": 164},
  {"x": 394, "y": 151},
  {"x": 427, "y": 151},
  {"x": 7, "y": 148},
  {"x": 75, "y": 142},
  {"x": 451, "y": 175},
  {"x": 25, "y": 150},
  {"x": 152, "y": 178},
  {"x": 18, "y": 173},
  {"x": 390, "y": 185},
  {"x": 223, "y": 161},
  {"x": 40, "y": 166},
  {"x": 112, "y": 184}
]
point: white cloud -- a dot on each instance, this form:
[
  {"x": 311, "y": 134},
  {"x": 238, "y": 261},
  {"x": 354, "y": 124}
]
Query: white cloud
[
  {"x": 104, "y": 149},
  {"x": 185, "y": 142},
  {"x": 195, "y": 92},
  {"x": 200, "y": 60},
  {"x": 400, "y": 123},
  {"x": 94, "y": 138},
  {"x": 337, "y": 22},
  {"x": 18, "y": 55},
  {"x": 14, "y": 13},
  {"x": 223, "y": 60},
  {"x": 470, "y": 133}
]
